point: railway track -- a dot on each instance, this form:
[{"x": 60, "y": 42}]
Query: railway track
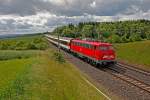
[
  {"x": 131, "y": 80},
  {"x": 133, "y": 68}
]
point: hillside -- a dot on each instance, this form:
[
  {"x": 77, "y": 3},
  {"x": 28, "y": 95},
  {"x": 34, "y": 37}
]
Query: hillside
[{"x": 136, "y": 53}]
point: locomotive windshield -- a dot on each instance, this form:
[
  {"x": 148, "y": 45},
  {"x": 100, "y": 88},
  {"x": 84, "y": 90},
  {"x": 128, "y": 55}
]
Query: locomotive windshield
[{"x": 105, "y": 48}]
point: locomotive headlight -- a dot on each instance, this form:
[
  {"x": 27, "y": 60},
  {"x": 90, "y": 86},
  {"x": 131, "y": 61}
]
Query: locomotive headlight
[
  {"x": 105, "y": 56},
  {"x": 112, "y": 56},
  {"x": 108, "y": 56}
]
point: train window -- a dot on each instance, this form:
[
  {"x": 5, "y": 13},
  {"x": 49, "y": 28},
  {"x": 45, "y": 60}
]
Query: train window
[
  {"x": 78, "y": 44},
  {"x": 88, "y": 46},
  {"x": 91, "y": 47},
  {"x": 82, "y": 45},
  {"x": 103, "y": 48},
  {"x": 85, "y": 45}
]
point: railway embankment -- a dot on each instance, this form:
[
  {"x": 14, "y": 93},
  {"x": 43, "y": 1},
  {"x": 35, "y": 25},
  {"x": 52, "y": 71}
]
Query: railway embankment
[
  {"x": 136, "y": 54},
  {"x": 127, "y": 83}
]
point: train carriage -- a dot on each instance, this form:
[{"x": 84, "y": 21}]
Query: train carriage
[{"x": 94, "y": 51}]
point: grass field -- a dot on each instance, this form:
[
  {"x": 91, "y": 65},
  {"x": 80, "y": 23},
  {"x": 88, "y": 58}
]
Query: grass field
[
  {"x": 33, "y": 42},
  {"x": 41, "y": 77},
  {"x": 14, "y": 54},
  {"x": 136, "y": 53},
  {"x": 12, "y": 69}
]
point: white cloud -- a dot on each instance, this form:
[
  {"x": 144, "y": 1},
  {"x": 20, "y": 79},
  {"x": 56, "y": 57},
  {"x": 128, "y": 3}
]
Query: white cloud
[
  {"x": 45, "y": 21},
  {"x": 43, "y": 15},
  {"x": 93, "y": 4},
  {"x": 56, "y": 2},
  {"x": 32, "y": 23}
]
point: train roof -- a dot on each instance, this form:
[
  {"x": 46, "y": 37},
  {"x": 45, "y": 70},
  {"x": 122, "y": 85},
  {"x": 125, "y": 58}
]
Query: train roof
[
  {"x": 91, "y": 42},
  {"x": 61, "y": 38},
  {"x": 78, "y": 40}
]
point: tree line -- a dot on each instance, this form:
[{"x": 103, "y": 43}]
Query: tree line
[
  {"x": 114, "y": 32},
  {"x": 29, "y": 42}
]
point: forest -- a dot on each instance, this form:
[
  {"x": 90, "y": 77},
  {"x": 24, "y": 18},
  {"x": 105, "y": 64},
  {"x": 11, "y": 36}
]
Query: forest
[{"x": 113, "y": 32}]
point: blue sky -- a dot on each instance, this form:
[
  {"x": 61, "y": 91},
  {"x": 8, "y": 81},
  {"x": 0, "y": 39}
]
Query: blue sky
[{"x": 44, "y": 15}]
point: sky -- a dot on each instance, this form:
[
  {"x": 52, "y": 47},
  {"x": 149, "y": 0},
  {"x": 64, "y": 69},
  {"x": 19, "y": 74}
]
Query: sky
[{"x": 26, "y": 16}]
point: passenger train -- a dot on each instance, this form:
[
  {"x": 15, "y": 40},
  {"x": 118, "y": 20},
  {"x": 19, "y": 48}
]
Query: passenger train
[{"x": 94, "y": 51}]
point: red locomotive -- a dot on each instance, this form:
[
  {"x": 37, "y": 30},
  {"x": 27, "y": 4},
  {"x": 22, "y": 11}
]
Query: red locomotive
[{"x": 94, "y": 51}]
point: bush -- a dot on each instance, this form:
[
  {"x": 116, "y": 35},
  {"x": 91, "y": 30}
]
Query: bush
[
  {"x": 59, "y": 57},
  {"x": 20, "y": 45},
  {"x": 148, "y": 36},
  {"x": 114, "y": 39},
  {"x": 31, "y": 46},
  {"x": 135, "y": 37},
  {"x": 41, "y": 46},
  {"x": 124, "y": 38}
]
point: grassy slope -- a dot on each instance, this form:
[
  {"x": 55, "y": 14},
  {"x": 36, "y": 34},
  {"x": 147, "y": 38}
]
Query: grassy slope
[
  {"x": 61, "y": 81},
  {"x": 41, "y": 77},
  {"x": 137, "y": 52},
  {"x": 13, "y": 66},
  {"x": 14, "y": 54},
  {"x": 9, "y": 70}
]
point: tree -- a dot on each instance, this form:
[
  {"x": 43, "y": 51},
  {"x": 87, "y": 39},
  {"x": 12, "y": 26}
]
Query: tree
[
  {"x": 124, "y": 38},
  {"x": 114, "y": 39},
  {"x": 106, "y": 35},
  {"x": 148, "y": 36},
  {"x": 67, "y": 32},
  {"x": 135, "y": 37},
  {"x": 87, "y": 31},
  {"x": 127, "y": 30}
]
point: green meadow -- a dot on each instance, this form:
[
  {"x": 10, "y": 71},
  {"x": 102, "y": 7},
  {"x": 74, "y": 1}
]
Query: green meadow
[
  {"x": 33, "y": 42},
  {"x": 41, "y": 75},
  {"x": 136, "y": 53}
]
